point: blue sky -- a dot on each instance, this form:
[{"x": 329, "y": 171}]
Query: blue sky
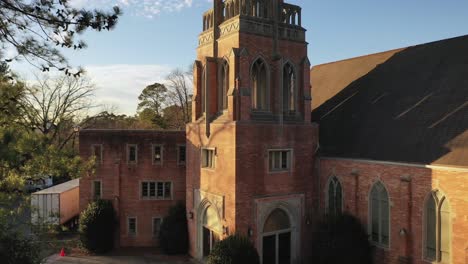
[{"x": 155, "y": 36}]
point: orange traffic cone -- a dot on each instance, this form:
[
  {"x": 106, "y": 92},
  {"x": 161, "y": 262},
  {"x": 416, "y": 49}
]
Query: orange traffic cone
[{"x": 62, "y": 253}]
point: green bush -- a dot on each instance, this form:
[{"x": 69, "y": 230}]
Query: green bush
[
  {"x": 16, "y": 249},
  {"x": 97, "y": 226},
  {"x": 173, "y": 235},
  {"x": 232, "y": 250}
]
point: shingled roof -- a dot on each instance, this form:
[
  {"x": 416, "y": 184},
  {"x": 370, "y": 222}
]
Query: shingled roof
[{"x": 405, "y": 105}]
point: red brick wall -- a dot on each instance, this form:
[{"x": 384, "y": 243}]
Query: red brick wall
[
  {"x": 406, "y": 198},
  {"x": 121, "y": 182}
]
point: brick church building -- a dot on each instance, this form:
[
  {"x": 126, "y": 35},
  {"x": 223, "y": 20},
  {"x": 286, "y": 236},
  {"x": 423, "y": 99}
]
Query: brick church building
[{"x": 274, "y": 145}]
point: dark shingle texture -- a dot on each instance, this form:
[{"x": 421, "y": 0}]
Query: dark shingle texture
[{"x": 406, "y": 105}]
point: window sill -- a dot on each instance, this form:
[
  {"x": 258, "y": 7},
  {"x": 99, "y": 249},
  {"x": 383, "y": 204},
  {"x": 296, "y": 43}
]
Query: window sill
[
  {"x": 279, "y": 171},
  {"x": 155, "y": 199},
  {"x": 208, "y": 168},
  {"x": 380, "y": 246}
]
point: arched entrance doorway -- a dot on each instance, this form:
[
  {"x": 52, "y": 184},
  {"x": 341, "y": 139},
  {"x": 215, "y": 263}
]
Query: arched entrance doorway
[
  {"x": 210, "y": 230},
  {"x": 276, "y": 238}
]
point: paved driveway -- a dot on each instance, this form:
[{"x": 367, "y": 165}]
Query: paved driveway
[
  {"x": 121, "y": 257},
  {"x": 117, "y": 260}
]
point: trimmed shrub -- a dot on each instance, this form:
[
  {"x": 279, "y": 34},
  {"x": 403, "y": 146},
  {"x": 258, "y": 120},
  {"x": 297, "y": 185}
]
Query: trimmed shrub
[
  {"x": 233, "y": 250},
  {"x": 97, "y": 226},
  {"x": 173, "y": 235},
  {"x": 341, "y": 239}
]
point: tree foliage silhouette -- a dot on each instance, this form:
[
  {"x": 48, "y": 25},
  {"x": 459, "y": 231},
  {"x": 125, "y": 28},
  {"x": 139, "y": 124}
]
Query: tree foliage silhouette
[
  {"x": 36, "y": 29},
  {"x": 340, "y": 239}
]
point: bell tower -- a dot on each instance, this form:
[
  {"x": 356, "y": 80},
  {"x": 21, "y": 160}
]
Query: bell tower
[{"x": 251, "y": 143}]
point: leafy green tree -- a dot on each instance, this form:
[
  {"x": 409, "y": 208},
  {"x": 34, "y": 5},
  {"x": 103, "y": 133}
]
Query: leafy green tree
[
  {"x": 153, "y": 97},
  {"x": 233, "y": 249},
  {"x": 36, "y": 29},
  {"x": 173, "y": 235},
  {"x": 97, "y": 226}
]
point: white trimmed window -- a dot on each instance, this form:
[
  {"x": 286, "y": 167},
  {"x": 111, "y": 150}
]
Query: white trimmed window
[
  {"x": 132, "y": 153},
  {"x": 96, "y": 151},
  {"x": 379, "y": 212},
  {"x": 97, "y": 189},
  {"x": 157, "y": 154},
  {"x": 156, "y": 190},
  {"x": 132, "y": 226},
  {"x": 437, "y": 228},
  {"x": 156, "y": 226},
  {"x": 181, "y": 154},
  {"x": 279, "y": 160},
  {"x": 207, "y": 158}
]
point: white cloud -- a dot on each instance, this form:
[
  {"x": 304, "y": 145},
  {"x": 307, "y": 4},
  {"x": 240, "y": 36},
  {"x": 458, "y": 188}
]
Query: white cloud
[
  {"x": 147, "y": 8},
  {"x": 120, "y": 85}
]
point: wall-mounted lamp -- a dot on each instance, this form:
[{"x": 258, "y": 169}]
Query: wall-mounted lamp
[
  {"x": 402, "y": 232},
  {"x": 190, "y": 215},
  {"x": 307, "y": 220},
  {"x": 225, "y": 230},
  {"x": 249, "y": 232}
]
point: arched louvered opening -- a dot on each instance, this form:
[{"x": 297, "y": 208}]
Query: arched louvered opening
[
  {"x": 259, "y": 78},
  {"x": 223, "y": 86},
  {"x": 289, "y": 88}
]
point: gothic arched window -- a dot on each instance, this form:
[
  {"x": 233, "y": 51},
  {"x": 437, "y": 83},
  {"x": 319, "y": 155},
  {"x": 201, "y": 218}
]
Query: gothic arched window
[
  {"x": 437, "y": 228},
  {"x": 335, "y": 197},
  {"x": 289, "y": 88},
  {"x": 259, "y": 86},
  {"x": 223, "y": 86},
  {"x": 379, "y": 222}
]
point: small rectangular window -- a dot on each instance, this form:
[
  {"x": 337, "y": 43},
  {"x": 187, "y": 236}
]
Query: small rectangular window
[
  {"x": 181, "y": 155},
  {"x": 157, "y": 154},
  {"x": 279, "y": 160},
  {"x": 132, "y": 226},
  {"x": 156, "y": 190},
  {"x": 97, "y": 189},
  {"x": 156, "y": 226},
  {"x": 96, "y": 151},
  {"x": 208, "y": 158},
  {"x": 132, "y": 153}
]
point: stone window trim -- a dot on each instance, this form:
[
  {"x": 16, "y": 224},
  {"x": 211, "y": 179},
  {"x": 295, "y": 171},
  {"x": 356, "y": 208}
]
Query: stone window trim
[
  {"x": 179, "y": 161},
  {"x": 129, "y": 232},
  {"x": 153, "y": 154},
  {"x": 440, "y": 199},
  {"x": 152, "y": 225},
  {"x": 93, "y": 152},
  {"x": 333, "y": 180},
  {"x": 387, "y": 246},
  {"x": 93, "y": 188},
  {"x": 148, "y": 197},
  {"x": 290, "y": 160},
  {"x": 208, "y": 151},
  {"x": 128, "y": 147}
]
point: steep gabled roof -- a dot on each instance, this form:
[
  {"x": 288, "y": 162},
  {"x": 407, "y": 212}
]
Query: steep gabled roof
[{"x": 408, "y": 105}]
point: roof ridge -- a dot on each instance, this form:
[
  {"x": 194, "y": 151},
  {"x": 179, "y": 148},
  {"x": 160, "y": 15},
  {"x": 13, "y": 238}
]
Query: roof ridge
[
  {"x": 360, "y": 57},
  {"x": 388, "y": 51}
]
